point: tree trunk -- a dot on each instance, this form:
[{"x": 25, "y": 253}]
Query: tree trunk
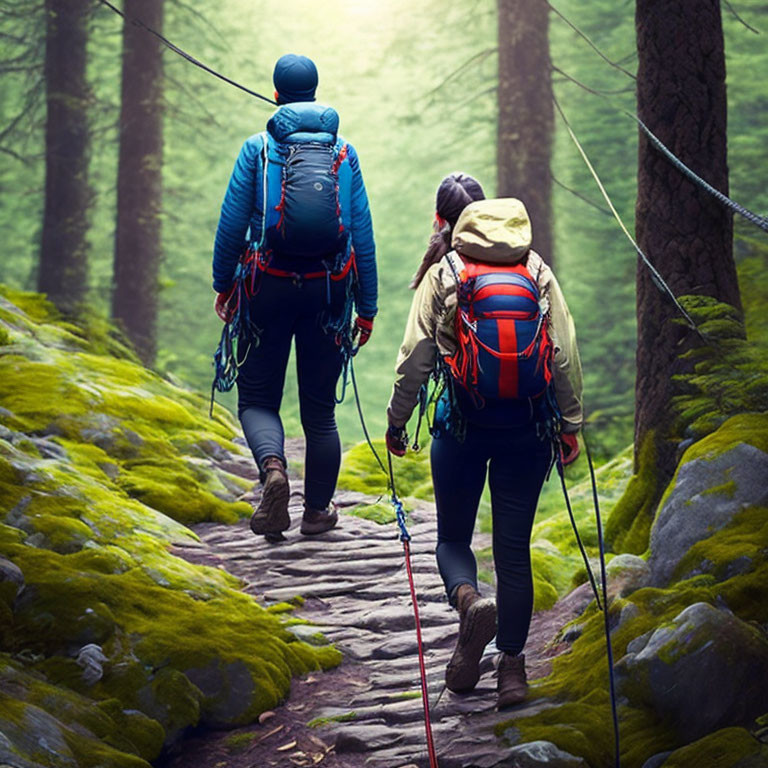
[
  {"x": 686, "y": 234},
  {"x": 526, "y": 117},
  {"x": 139, "y": 183},
  {"x": 63, "y": 270}
]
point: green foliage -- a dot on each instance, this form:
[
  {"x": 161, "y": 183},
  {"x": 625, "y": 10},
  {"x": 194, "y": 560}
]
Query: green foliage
[
  {"x": 730, "y": 374},
  {"x": 361, "y": 472},
  {"x": 381, "y": 512},
  {"x": 628, "y": 527}
]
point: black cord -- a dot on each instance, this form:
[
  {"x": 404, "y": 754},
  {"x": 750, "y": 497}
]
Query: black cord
[
  {"x": 365, "y": 428},
  {"x": 612, "y": 679},
  {"x": 591, "y": 576},
  {"x": 185, "y": 55}
]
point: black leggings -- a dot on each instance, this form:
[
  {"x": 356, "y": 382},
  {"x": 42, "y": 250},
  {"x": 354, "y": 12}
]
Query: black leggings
[
  {"x": 281, "y": 310},
  {"x": 516, "y": 462}
]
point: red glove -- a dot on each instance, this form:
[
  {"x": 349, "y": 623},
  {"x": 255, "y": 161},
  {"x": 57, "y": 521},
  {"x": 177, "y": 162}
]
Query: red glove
[
  {"x": 363, "y": 330},
  {"x": 224, "y": 305},
  {"x": 397, "y": 440},
  {"x": 569, "y": 448}
]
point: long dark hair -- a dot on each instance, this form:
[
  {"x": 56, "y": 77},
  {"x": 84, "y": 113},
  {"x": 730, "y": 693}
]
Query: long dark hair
[{"x": 454, "y": 194}]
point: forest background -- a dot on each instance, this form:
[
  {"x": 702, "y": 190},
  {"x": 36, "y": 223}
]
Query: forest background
[{"x": 415, "y": 85}]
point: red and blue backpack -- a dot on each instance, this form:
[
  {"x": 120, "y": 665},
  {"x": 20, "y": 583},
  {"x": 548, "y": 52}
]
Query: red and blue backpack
[{"x": 504, "y": 349}]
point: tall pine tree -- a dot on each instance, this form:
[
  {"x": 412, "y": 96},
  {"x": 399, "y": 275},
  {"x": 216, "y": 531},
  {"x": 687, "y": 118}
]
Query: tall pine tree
[
  {"x": 686, "y": 234},
  {"x": 526, "y": 117},
  {"x": 63, "y": 265},
  {"x": 138, "y": 248}
]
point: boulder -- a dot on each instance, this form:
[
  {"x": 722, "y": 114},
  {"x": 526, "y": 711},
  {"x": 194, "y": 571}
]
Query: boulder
[
  {"x": 707, "y": 495},
  {"x": 540, "y": 754},
  {"x": 692, "y": 671},
  {"x": 11, "y": 579},
  {"x": 626, "y": 573},
  {"x": 732, "y": 747}
]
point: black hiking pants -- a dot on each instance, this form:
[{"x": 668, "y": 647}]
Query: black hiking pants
[
  {"x": 516, "y": 461},
  {"x": 284, "y": 309}
]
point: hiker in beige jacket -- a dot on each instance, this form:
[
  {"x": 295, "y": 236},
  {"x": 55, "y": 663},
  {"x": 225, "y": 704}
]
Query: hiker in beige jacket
[{"x": 503, "y": 439}]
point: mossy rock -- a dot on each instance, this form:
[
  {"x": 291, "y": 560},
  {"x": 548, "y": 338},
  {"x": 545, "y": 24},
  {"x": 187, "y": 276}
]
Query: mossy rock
[
  {"x": 715, "y": 481},
  {"x": 727, "y": 748},
  {"x": 691, "y": 671},
  {"x": 53, "y": 727},
  {"x": 102, "y": 465}
]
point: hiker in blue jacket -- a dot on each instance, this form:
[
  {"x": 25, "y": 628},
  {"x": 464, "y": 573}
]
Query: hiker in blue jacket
[{"x": 314, "y": 253}]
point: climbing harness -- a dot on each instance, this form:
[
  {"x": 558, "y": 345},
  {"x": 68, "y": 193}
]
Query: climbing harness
[{"x": 185, "y": 55}]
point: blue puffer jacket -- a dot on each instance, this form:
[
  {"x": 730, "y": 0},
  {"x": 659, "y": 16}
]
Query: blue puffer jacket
[{"x": 241, "y": 210}]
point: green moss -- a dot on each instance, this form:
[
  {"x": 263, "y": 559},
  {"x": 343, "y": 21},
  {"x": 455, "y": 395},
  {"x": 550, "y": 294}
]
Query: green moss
[
  {"x": 751, "y": 428},
  {"x": 176, "y": 490},
  {"x": 721, "y": 749},
  {"x": 346, "y": 717},
  {"x": 92, "y": 753},
  {"x": 742, "y": 540},
  {"x": 237, "y": 742},
  {"x": 726, "y": 489},
  {"x": 405, "y": 695},
  {"x": 628, "y": 526},
  {"x": 119, "y": 739},
  {"x": 380, "y": 513},
  {"x": 485, "y": 575},
  {"x": 281, "y": 608},
  {"x": 5, "y": 338},
  {"x": 34, "y": 305},
  {"x": 360, "y": 472}
]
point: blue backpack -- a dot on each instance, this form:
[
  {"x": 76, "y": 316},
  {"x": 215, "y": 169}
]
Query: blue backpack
[{"x": 301, "y": 201}]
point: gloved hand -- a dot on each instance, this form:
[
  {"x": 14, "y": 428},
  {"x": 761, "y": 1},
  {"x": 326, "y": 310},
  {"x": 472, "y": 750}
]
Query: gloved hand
[
  {"x": 569, "y": 448},
  {"x": 397, "y": 440},
  {"x": 224, "y": 305},
  {"x": 363, "y": 329}
]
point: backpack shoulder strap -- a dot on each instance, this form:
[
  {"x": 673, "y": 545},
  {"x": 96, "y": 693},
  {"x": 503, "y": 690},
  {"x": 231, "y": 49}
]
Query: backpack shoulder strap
[
  {"x": 457, "y": 266},
  {"x": 264, "y": 188}
]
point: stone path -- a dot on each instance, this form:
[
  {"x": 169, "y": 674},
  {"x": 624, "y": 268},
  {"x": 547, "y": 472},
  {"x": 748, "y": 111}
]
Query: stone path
[{"x": 355, "y": 588}]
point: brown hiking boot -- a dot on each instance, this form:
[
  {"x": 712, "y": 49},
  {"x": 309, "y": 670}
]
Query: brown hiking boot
[
  {"x": 272, "y": 516},
  {"x": 512, "y": 685},
  {"x": 477, "y": 626},
  {"x": 317, "y": 521}
]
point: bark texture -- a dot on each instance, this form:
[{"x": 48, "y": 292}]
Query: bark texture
[
  {"x": 139, "y": 185},
  {"x": 686, "y": 234},
  {"x": 63, "y": 267},
  {"x": 526, "y": 117}
]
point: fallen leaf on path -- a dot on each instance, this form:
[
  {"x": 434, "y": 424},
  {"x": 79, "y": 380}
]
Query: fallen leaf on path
[
  {"x": 318, "y": 758},
  {"x": 286, "y": 747},
  {"x": 317, "y": 741},
  {"x": 266, "y": 736},
  {"x": 264, "y": 716}
]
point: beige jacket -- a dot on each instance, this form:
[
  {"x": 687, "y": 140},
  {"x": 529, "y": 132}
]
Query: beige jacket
[{"x": 492, "y": 231}]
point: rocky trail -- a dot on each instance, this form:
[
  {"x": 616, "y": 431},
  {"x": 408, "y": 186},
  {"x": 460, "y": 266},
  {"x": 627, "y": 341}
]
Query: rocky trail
[{"x": 368, "y": 711}]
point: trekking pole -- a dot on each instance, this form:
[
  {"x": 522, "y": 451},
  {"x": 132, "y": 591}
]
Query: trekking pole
[{"x": 405, "y": 537}]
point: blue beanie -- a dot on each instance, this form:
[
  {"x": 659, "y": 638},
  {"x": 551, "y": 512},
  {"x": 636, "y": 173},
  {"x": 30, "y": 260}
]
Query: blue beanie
[{"x": 295, "y": 78}]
